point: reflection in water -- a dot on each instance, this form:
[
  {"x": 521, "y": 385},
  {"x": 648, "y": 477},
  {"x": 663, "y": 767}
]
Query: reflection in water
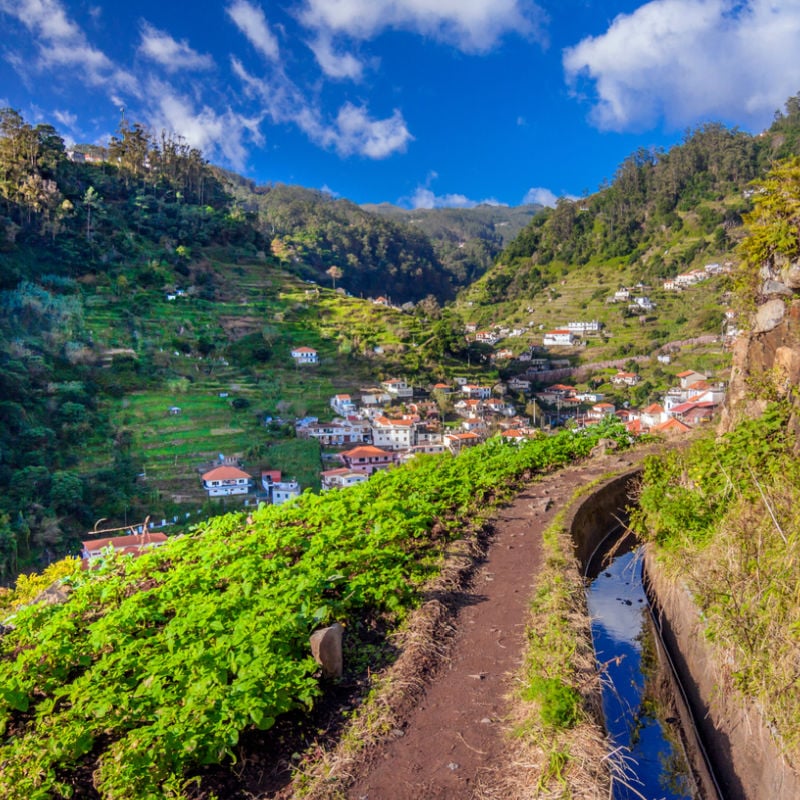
[{"x": 636, "y": 694}]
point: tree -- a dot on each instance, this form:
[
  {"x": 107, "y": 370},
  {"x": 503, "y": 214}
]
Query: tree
[
  {"x": 335, "y": 274},
  {"x": 91, "y": 199}
]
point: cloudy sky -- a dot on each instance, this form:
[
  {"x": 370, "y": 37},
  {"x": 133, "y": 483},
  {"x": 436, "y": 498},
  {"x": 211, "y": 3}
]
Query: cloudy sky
[{"x": 415, "y": 102}]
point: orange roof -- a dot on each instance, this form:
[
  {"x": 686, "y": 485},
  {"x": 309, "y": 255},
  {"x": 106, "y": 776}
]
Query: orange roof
[
  {"x": 672, "y": 425},
  {"x": 365, "y": 451},
  {"x": 304, "y": 350},
  {"x": 653, "y": 408},
  {"x": 133, "y": 541},
  {"x": 226, "y": 474}
]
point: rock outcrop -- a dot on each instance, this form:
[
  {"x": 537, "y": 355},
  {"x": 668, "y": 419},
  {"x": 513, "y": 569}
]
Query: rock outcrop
[{"x": 766, "y": 360}]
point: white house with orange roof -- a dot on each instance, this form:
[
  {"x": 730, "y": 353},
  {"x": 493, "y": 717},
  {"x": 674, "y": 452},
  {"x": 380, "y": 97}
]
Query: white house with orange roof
[
  {"x": 397, "y": 387},
  {"x": 133, "y": 544},
  {"x": 653, "y": 415},
  {"x": 560, "y": 337},
  {"x": 367, "y": 459},
  {"x": 343, "y": 404},
  {"x": 394, "y": 434},
  {"x": 305, "y": 355},
  {"x": 226, "y": 480}
]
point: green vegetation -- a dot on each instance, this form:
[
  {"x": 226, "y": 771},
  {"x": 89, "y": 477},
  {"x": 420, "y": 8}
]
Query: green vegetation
[
  {"x": 155, "y": 665},
  {"x": 723, "y": 515}
]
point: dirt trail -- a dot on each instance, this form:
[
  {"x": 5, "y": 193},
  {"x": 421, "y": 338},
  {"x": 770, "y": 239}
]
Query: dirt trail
[{"x": 456, "y": 737}]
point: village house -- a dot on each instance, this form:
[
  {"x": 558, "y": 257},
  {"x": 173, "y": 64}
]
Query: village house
[
  {"x": 671, "y": 427},
  {"x": 590, "y": 397},
  {"x": 497, "y": 406},
  {"x": 625, "y": 379},
  {"x": 336, "y": 432},
  {"x": 475, "y": 392},
  {"x": 653, "y": 415},
  {"x": 622, "y": 295},
  {"x": 367, "y": 459},
  {"x": 341, "y": 478},
  {"x": 518, "y": 384},
  {"x": 487, "y": 337},
  {"x": 305, "y": 355},
  {"x": 226, "y": 480},
  {"x": 394, "y": 434},
  {"x": 343, "y": 404},
  {"x": 689, "y": 377},
  {"x": 456, "y": 442},
  {"x": 131, "y": 544},
  {"x": 580, "y": 327},
  {"x": 397, "y": 388},
  {"x": 469, "y": 408},
  {"x": 503, "y": 354},
  {"x": 278, "y": 491},
  {"x": 643, "y": 303},
  {"x": 559, "y": 338},
  {"x": 601, "y": 411},
  {"x": 375, "y": 397}
]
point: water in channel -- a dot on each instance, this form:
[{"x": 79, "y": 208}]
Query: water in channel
[{"x": 637, "y": 696}]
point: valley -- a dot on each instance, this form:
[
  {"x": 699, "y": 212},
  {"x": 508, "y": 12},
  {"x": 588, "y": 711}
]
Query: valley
[{"x": 163, "y": 319}]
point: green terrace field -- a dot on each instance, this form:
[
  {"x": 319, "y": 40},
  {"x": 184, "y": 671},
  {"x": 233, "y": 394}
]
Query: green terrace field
[
  {"x": 156, "y": 666},
  {"x": 224, "y": 366}
]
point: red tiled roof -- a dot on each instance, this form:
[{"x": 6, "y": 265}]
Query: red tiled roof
[
  {"x": 128, "y": 543},
  {"x": 226, "y": 474},
  {"x": 365, "y": 451}
]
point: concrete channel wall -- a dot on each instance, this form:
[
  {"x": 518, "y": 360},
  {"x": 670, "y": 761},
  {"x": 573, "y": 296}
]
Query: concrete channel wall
[{"x": 746, "y": 759}]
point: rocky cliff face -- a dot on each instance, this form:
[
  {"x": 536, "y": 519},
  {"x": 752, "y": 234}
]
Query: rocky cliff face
[{"x": 766, "y": 361}]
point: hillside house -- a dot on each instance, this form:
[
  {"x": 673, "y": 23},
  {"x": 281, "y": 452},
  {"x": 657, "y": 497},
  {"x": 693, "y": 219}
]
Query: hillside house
[
  {"x": 456, "y": 442},
  {"x": 562, "y": 337},
  {"x": 653, "y": 415},
  {"x": 343, "y": 404},
  {"x": 582, "y": 326},
  {"x": 305, "y": 355},
  {"x": 394, "y": 434},
  {"x": 226, "y": 480},
  {"x": 518, "y": 384},
  {"x": 131, "y": 544},
  {"x": 337, "y": 432},
  {"x": 398, "y": 388},
  {"x": 474, "y": 392},
  {"x": 284, "y": 491},
  {"x": 341, "y": 478},
  {"x": 375, "y": 397},
  {"x": 625, "y": 379},
  {"x": 622, "y": 295},
  {"x": 689, "y": 378},
  {"x": 601, "y": 411},
  {"x": 643, "y": 303},
  {"x": 367, "y": 459}
]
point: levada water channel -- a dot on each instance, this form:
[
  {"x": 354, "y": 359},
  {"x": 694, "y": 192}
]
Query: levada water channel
[{"x": 642, "y": 718}]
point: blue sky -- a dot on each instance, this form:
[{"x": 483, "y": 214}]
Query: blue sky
[{"x": 416, "y": 102}]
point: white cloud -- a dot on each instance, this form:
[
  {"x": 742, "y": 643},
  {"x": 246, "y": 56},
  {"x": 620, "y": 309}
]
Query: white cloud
[
  {"x": 425, "y": 197},
  {"x": 540, "y": 196},
  {"x": 61, "y": 43},
  {"x": 690, "y": 60},
  {"x": 214, "y": 133},
  {"x": 333, "y": 64},
  {"x": 471, "y": 25},
  {"x": 356, "y": 132},
  {"x": 160, "y": 47},
  {"x": 353, "y": 132},
  {"x": 250, "y": 20}
]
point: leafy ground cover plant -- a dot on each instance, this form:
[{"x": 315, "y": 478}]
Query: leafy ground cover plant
[
  {"x": 156, "y": 665},
  {"x": 723, "y": 515}
]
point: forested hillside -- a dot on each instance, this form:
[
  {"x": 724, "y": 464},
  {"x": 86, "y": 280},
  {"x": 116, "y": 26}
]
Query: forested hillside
[
  {"x": 663, "y": 212},
  {"x": 337, "y": 242}
]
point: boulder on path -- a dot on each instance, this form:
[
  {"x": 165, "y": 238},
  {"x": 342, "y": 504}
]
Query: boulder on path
[{"x": 326, "y": 647}]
